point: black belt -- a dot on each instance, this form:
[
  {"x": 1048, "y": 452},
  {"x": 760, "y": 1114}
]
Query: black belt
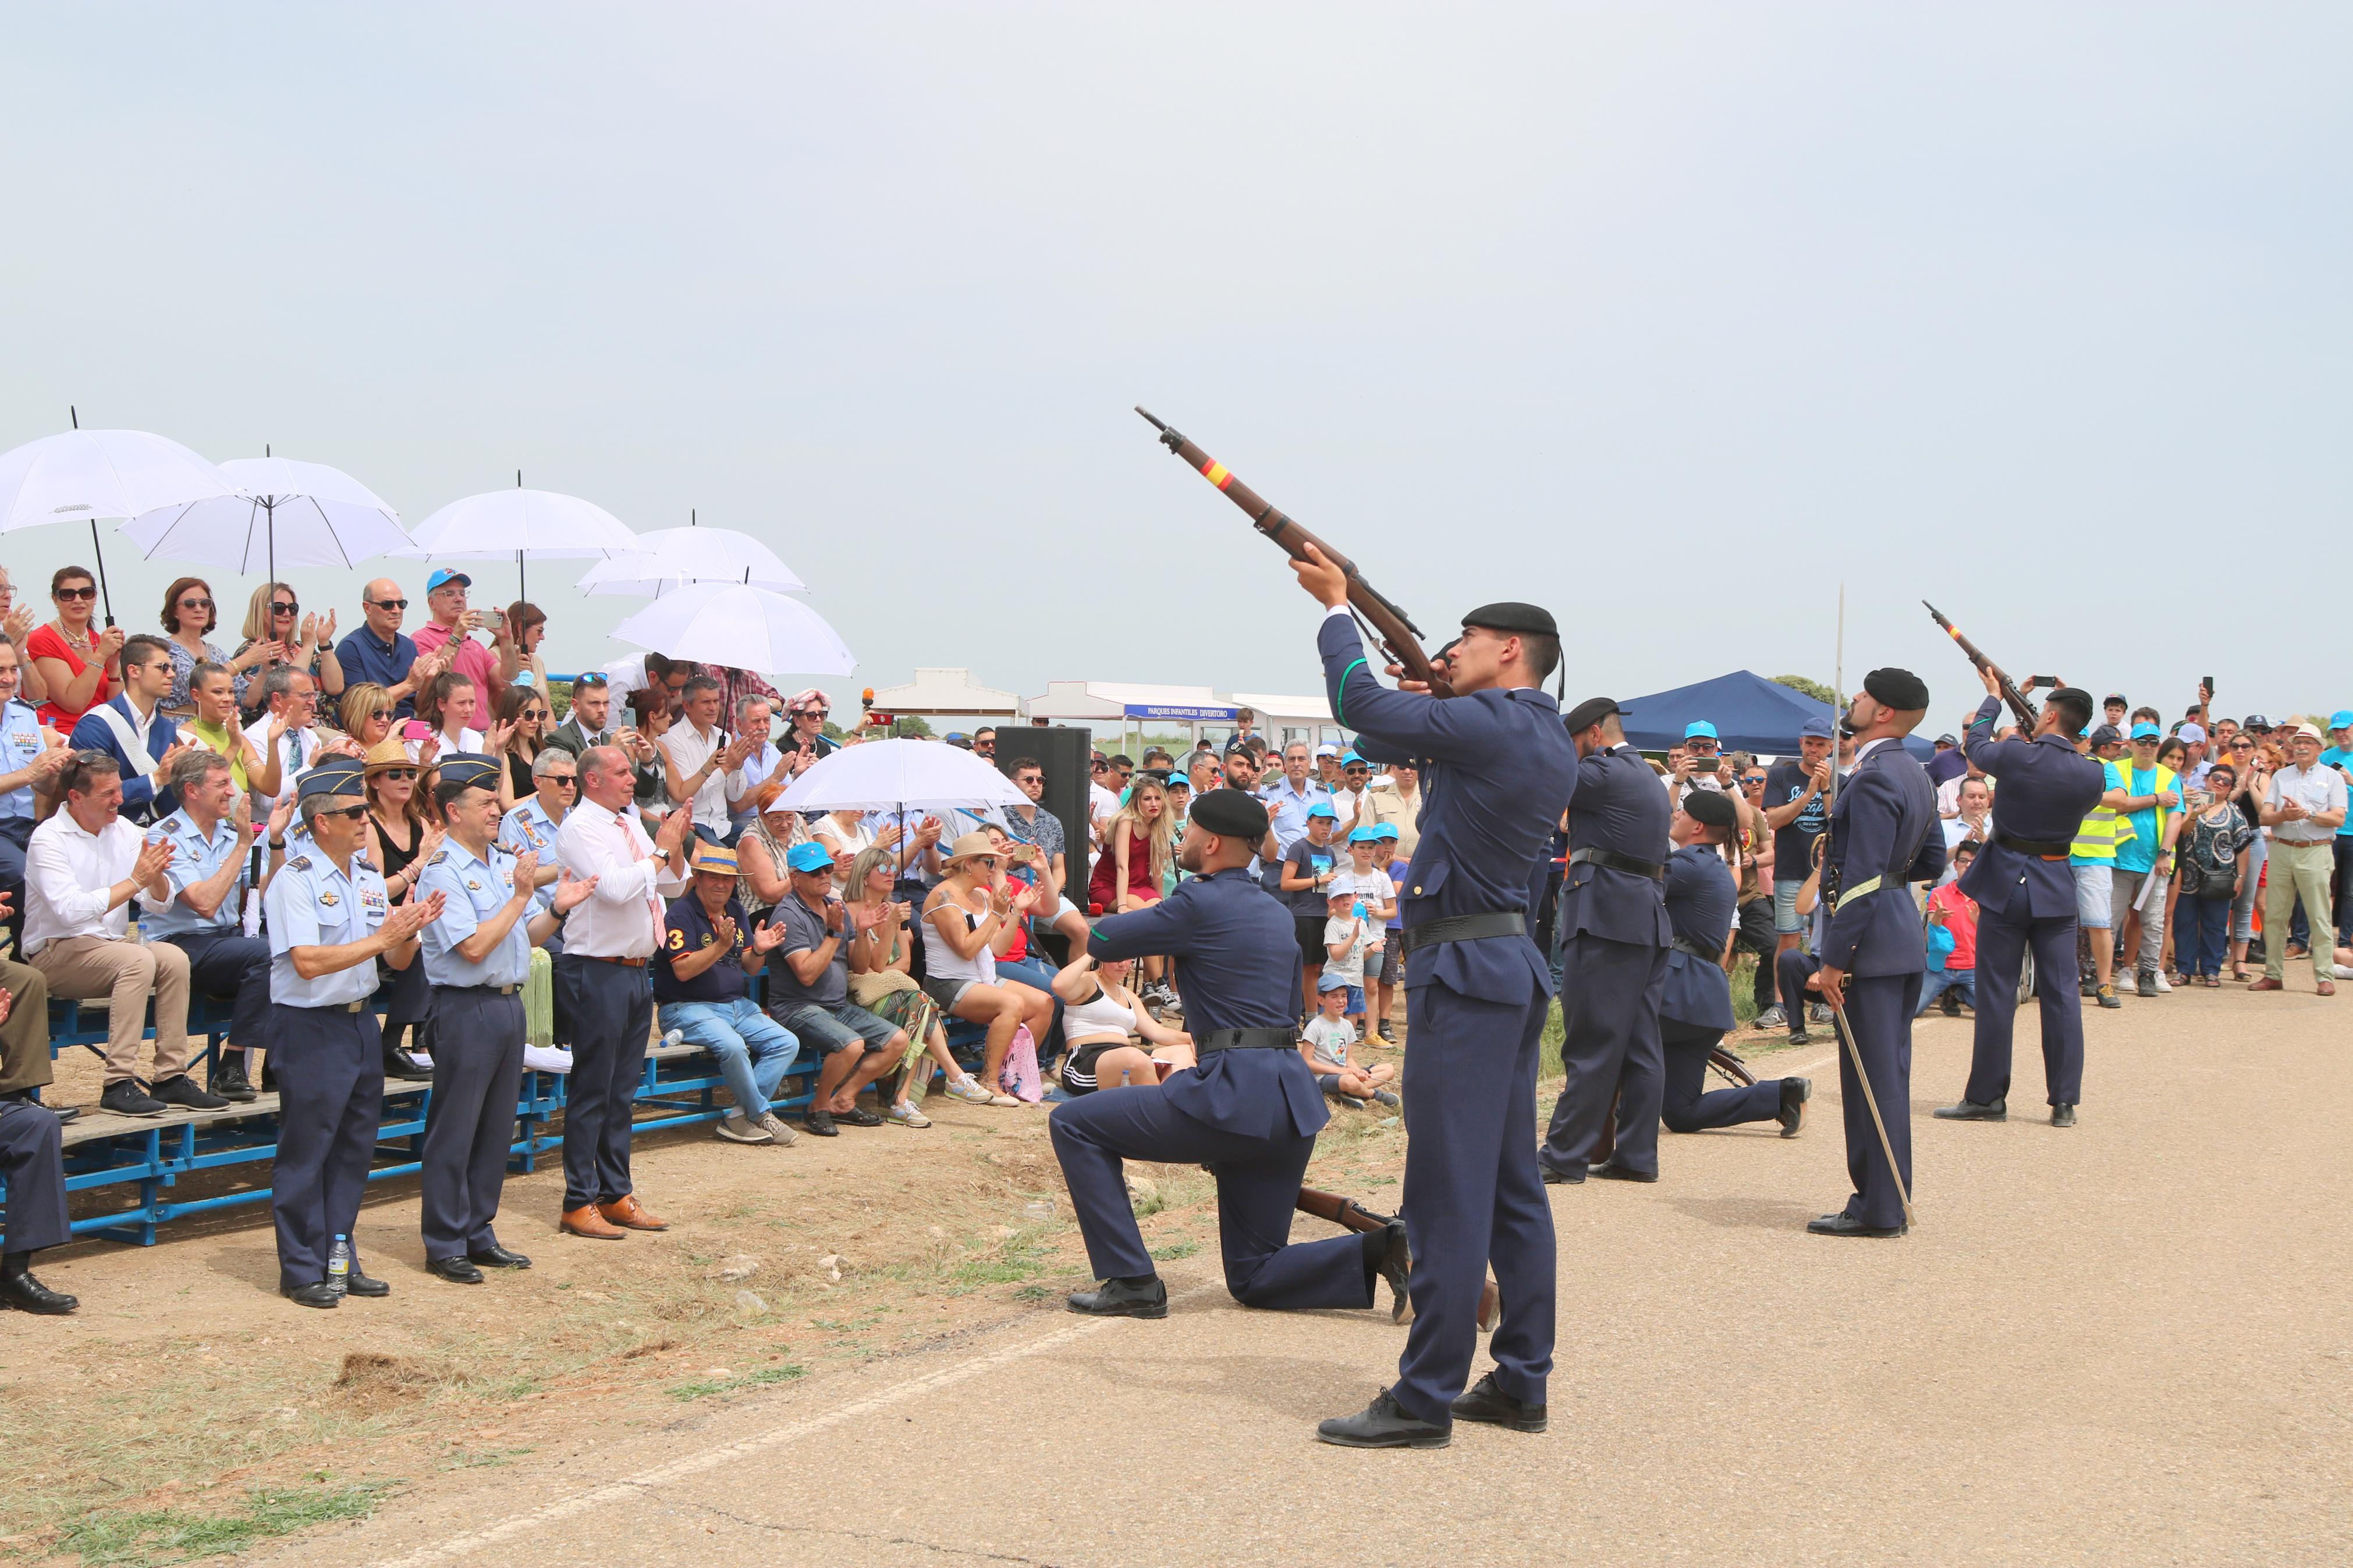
[
  {"x": 1653, "y": 870},
  {"x": 1247, "y": 1041},
  {"x": 1463, "y": 928},
  {"x": 486, "y": 990},
  {"x": 2046, "y": 850},
  {"x": 1685, "y": 944}
]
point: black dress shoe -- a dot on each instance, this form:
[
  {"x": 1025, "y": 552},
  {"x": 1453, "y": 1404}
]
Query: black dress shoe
[
  {"x": 2063, "y": 1116},
  {"x": 125, "y": 1097},
  {"x": 1120, "y": 1299},
  {"x": 1970, "y": 1110},
  {"x": 1557, "y": 1176},
  {"x": 1795, "y": 1092},
  {"x": 317, "y": 1293},
  {"x": 181, "y": 1090},
  {"x": 821, "y": 1123},
  {"x": 498, "y": 1258},
  {"x": 1611, "y": 1171},
  {"x": 1799, "y": 1037},
  {"x": 1847, "y": 1225},
  {"x": 1383, "y": 1424},
  {"x": 228, "y": 1080},
  {"x": 1397, "y": 1267},
  {"x": 359, "y": 1284},
  {"x": 21, "y": 1291},
  {"x": 398, "y": 1065},
  {"x": 456, "y": 1270},
  {"x": 1952, "y": 1004},
  {"x": 1487, "y": 1402}
]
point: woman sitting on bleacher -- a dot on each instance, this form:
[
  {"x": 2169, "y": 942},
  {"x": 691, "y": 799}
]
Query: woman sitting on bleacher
[{"x": 879, "y": 983}]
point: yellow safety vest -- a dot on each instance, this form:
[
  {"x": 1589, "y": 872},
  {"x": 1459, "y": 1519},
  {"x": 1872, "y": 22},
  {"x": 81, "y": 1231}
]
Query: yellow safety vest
[{"x": 2097, "y": 839}]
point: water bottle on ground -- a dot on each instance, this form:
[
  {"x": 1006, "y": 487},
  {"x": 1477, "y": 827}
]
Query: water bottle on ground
[{"x": 338, "y": 1265}]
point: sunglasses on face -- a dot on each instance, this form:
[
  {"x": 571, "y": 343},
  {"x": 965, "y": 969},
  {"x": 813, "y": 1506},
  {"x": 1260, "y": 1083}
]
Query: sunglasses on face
[
  {"x": 349, "y": 814},
  {"x": 85, "y": 593},
  {"x": 389, "y": 603},
  {"x": 562, "y": 781},
  {"x": 390, "y": 775},
  {"x": 196, "y": 604},
  {"x": 535, "y": 714},
  {"x": 287, "y": 609}
]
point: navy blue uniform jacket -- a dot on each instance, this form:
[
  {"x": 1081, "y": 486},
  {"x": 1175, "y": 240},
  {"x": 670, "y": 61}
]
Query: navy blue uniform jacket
[
  {"x": 1622, "y": 807},
  {"x": 2046, "y": 791},
  {"x": 1884, "y": 827},
  {"x": 1499, "y": 770},
  {"x": 1241, "y": 972},
  {"x": 1701, "y": 901}
]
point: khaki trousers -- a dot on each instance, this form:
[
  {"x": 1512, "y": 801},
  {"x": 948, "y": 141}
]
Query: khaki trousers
[
  {"x": 25, "y": 1037},
  {"x": 85, "y": 968},
  {"x": 2299, "y": 868}
]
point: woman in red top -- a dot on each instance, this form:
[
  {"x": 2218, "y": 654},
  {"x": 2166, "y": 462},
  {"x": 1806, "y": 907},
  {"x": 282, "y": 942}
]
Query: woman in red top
[
  {"x": 1135, "y": 856},
  {"x": 81, "y": 666}
]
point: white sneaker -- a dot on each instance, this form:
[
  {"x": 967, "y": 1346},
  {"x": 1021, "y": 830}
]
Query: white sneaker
[
  {"x": 546, "y": 1058},
  {"x": 736, "y": 1129},
  {"x": 904, "y": 1114},
  {"x": 968, "y": 1089},
  {"x": 778, "y": 1133},
  {"x": 2163, "y": 984}
]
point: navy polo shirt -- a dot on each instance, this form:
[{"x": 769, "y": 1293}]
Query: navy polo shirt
[
  {"x": 365, "y": 658},
  {"x": 687, "y": 929}
]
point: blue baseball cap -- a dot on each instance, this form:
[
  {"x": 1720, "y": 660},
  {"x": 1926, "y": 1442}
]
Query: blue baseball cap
[
  {"x": 1697, "y": 728},
  {"x": 810, "y": 856},
  {"x": 1178, "y": 781},
  {"x": 1348, "y": 757},
  {"x": 442, "y": 574},
  {"x": 1815, "y": 730},
  {"x": 1324, "y": 808},
  {"x": 2341, "y": 720},
  {"x": 2145, "y": 730},
  {"x": 1331, "y": 982},
  {"x": 1384, "y": 830},
  {"x": 1365, "y": 835}
]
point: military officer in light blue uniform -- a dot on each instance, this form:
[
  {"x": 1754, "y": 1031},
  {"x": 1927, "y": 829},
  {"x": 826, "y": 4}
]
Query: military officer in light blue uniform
[
  {"x": 329, "y": 922},
  {"x": 476, "y": 956},
  {"x": 26, "y": 759}
]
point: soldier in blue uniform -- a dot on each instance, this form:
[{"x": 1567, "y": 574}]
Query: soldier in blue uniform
[
  {"x": 32, "y": 1166},
  {"x": 1613, "y": 927},
  {"x": 2025, "y": 889},
  {"x": 1883, "y": 835},
  {"x": 329, "y": 923},
  {"x": 1498, "y": 770},
  {"x": 1695, "y": 1007},
  {"x": 212, "y": 836},
  {"x": 1251, "y": 1110},
  {"x": 476, "y": 956}
]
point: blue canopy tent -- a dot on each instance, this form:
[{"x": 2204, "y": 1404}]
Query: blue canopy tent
[{"x": 1750, "y": 714}]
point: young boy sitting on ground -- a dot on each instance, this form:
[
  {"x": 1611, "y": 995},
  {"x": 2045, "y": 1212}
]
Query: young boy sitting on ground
[{"x": 1329, "y": 1035}]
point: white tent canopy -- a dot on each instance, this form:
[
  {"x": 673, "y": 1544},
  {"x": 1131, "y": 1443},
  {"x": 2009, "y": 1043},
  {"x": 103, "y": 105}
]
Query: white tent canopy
[{"x": 947, "y": 693}]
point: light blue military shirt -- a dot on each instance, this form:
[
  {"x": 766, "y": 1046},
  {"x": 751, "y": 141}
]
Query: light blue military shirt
[
  {"x": 20, "y": 747},
  {"x": 312, "y": 903},
  {"x": 472, "y": 890},
  {"x": 529, "y": 827},
  {"x": 195, "y": 859}
]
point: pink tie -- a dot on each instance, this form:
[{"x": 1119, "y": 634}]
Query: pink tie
[{"x": 653, "y": 900}]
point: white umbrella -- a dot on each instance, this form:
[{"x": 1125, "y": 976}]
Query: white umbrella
[
  {"x": 498, "y": 525},
  {"x": 311, "y": 514},
  {"x": 749, "y": 628},
  {"x": 668, "y": 557},
  {"x": 85, "y": 475},
  {"x": 881, "y": 775}
]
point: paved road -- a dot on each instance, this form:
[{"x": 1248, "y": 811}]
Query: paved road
[{"x": 2127, "y": 1344}]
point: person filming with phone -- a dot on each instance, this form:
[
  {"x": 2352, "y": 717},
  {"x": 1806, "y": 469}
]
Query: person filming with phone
[{"x": 449, "y": 621}]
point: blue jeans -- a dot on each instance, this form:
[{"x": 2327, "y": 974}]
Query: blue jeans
[
  {"x": 2206, "y": 925},
  {"x": 1937, "y": 981},
  {"x": 754, "y": 1052}
]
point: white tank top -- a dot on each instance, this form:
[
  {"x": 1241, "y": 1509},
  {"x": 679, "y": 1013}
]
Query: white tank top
[
  {"x": 940, "y": 960},
  {"x": 1100, "y": 1016}
]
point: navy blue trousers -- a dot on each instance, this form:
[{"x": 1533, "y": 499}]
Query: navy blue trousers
[
  {"x": 33, "y": 1166},
  {"x": 1258, "y": 1189},
  {"x": 1473, "y": 1196},
  {"x": 329, "y": 1066},
  {"x": 2002, "y": 941},
  {"x": 1878, "y": 1009},
  {"x": 1686, "y": 1107},
  {"x": 231, "y": 964},
  {"x": 1609, "y": 1050},
  {"x": 470, "y": 1122},
  {"x": 612, "y": 1011},
  {"x": 1791, "y": 969}
]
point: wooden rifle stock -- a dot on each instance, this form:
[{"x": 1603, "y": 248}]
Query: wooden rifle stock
[
  {"x": 1400, "y": 637},
  {"x": 1353, "y": 1216},
  {"x": 2011, "y": 694}
]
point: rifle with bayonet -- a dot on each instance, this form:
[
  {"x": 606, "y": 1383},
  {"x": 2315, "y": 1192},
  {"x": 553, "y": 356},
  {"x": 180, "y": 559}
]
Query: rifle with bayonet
[
  {"x": 1391, "y": 625},
  {"x": 2011, "y": 693}
]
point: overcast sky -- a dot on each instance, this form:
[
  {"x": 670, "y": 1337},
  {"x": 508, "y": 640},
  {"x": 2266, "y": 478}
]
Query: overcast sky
[{"x": 1670, "y": 317}]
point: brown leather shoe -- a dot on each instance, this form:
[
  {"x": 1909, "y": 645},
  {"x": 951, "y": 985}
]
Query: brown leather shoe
[
  {"x": 2268, "y": 984},
  {"x": 586, "y": 1221},
  {"x": 2327, "y": 988},
  {"x": 629, "y": 1213}
]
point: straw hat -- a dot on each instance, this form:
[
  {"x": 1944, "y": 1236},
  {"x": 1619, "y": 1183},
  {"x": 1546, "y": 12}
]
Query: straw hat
[
  {"x": 388, "y": 754},
  {"x": 972, "y": 845}
]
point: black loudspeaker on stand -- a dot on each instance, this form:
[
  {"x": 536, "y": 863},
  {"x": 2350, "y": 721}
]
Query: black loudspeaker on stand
[{"x": 1063, "y": 752}]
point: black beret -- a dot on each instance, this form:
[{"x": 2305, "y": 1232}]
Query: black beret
[
  {"x": 470, "y": 768},
  {"x": 1590, "y": 712},
  {"x": 1711, "y": 808},
  {"x": 1228, "y": 813},
  {"x": 1510, "y": 616},
  {"x": 1899, "y": 689}
]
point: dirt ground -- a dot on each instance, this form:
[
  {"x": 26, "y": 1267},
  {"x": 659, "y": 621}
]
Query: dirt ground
[{"x": 2129, "y": 1343}]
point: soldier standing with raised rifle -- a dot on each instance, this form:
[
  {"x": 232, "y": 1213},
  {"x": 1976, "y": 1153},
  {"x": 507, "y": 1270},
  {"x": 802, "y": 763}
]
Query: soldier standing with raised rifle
[
  {"x": 1883, "y": 835},
  {"x": 1498, "y": 770},
  {"x": 2025, "y": 890},
  {"x": 1614, "y": 937}
]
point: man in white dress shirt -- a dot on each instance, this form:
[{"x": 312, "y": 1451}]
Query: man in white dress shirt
[
  {"x": 700, "y": 755},
  {"x": 82, "y": 868},
  {"x": 601, "y": 981}
]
